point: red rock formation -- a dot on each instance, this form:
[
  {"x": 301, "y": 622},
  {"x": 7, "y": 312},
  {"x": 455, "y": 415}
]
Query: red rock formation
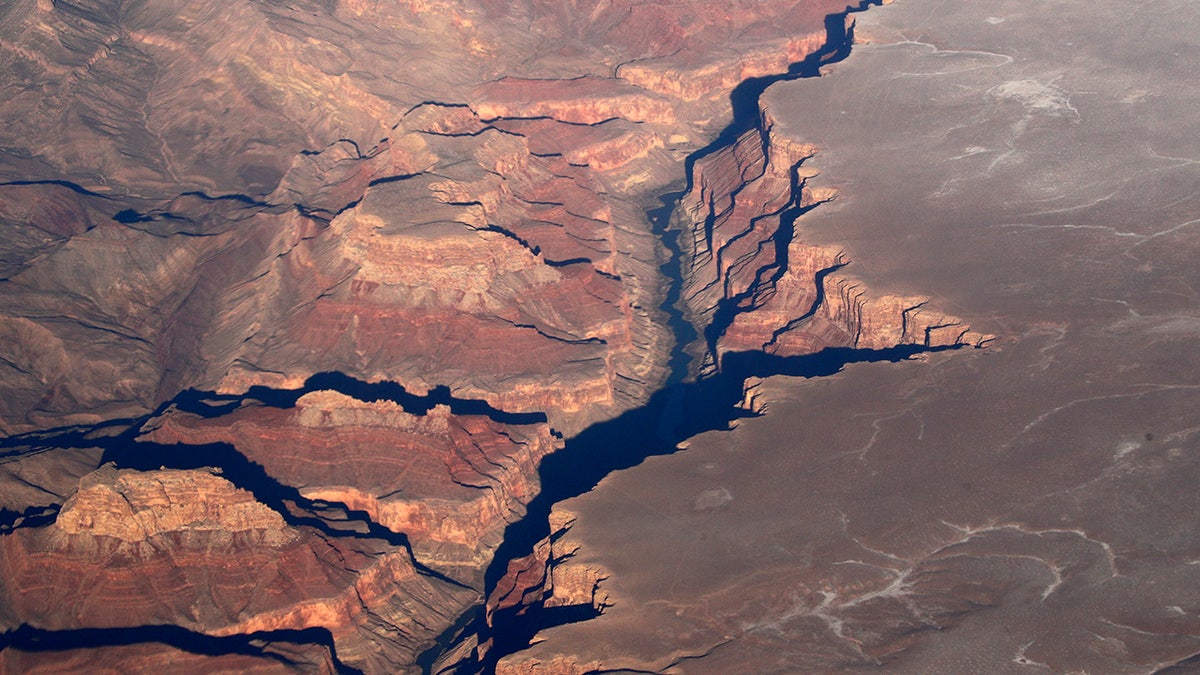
[
  {"x": 137, "y": 548},
  {"x": 749, "y": 273},
  {"x": 449, "y": 482}
]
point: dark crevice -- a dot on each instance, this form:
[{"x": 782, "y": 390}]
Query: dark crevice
[
  {"x": 683, "y": 408},
  {"x": 388, "y": 179},
  {"x": 819, "y": 285},
  {"x": 73, "y": 187},
  {"x": 232, "y": 197},
  {"x": 536, "y": 118},
  {"x": 354, "y": 144},
  {"x": 491, "y": 227},
  {"x": 567, "y": 262},
  {"x": 29, "y": 639},
  {"x": 32, "y": 516},
  {"x": 556, "y": 338},
  {"x": 839, "y": 38}
]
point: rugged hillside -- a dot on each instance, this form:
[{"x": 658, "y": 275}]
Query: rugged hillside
[{"x": 751, "y": 282}]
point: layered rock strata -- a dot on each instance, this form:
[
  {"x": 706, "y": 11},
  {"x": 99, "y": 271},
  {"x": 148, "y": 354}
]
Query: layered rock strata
[
  {"x": 751, "y": 283},
  {"x": 339, "y": 538},
  {"x": 238, "y": 198},
  {"x": 224, "y": 197},
  {"x": 187, "y": 548},
  {"x": 449, "y": 482}
]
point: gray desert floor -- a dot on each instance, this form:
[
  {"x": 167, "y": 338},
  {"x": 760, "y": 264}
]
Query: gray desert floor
[{"x": 1027, "y": 507}]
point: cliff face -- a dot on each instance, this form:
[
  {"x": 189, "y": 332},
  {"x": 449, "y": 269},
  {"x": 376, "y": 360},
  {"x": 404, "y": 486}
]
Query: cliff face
[
  {"x": 751, "y": 283},
  {"x": 449, "y": 482},
  {"x": 138, "y": 548}
]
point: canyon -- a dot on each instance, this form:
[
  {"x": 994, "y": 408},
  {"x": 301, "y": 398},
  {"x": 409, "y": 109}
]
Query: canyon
[
  {"x": 293, "y": 311},
  {"x": 535, "y": 338},
  {"x": 1020, "y": 508}
]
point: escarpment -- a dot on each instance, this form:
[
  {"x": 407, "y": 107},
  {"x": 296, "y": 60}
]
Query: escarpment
[
  {"x": 751, "y": 283},
  {"x": 448, "y": 482},
  {"x": 376, "y": 533},
  {"x": 137, "y": 548}
]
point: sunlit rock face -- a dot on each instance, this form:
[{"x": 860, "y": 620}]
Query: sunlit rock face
[
  {"x": 449, "y": 482},
  {"x": 1025, "y": 507}
]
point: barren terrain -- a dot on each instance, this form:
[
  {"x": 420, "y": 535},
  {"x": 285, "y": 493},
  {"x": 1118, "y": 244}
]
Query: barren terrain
[{"x": 1028, "y": 507}]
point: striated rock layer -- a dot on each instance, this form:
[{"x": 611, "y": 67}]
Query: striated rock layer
[
  {"x": 221, "y": 197},
  {"x": 449, "y": 482},
  {"x": 751, "y": 282},
  {"x": 189, "y": 549}
]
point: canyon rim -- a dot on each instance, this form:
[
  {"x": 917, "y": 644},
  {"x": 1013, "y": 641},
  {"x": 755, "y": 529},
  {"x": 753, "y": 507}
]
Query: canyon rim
[{"x": 598, "y": 337}]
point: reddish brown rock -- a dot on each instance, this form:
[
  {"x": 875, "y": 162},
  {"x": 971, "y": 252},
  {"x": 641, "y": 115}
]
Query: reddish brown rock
[
  {"x": 748, "y": 273},
  {"x": 449, "y": 482},
  {"x": 136, "y": 548}
]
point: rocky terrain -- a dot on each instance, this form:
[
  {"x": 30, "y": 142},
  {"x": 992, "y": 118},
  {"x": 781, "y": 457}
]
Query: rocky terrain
[
  {"x": 226, "y": 197},
  {"x": 534, "y": 337},
  {"x": 296, "y": 298},
  {"x": 1017, "y": 509}
]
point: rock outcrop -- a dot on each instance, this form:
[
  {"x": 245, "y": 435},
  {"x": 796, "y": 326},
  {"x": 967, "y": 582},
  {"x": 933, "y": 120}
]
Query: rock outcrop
[
  {"x": 188, "y": 548},
  {"x": 449, "y": 482},
  {"x": 751, "y": 283}
]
